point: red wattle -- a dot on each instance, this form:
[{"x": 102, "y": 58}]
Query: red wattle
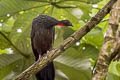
[{"x": 61, "y": 25}]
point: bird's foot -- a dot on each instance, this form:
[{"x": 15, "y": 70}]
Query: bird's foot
[
  {"x": 48, "y": 51},
  {"x": 40, "y": 56}
]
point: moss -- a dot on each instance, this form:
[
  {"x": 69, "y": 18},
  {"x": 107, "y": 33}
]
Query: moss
[{"x": 109, "y": 47}]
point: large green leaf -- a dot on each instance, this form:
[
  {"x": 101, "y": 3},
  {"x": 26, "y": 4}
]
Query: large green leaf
[
  {"x": 3, "y": 42},
  {"x": 8, "y": 63},
  {"x": 74, "y": 62},
  {"x": 112, "y": 76},
  {"x": 80, "y": 10},
  {"x": 115, "y": 68},
  {"x": 73, "y": 68},
  {"x": 85, "y": 1},
  {"x": 95, "y": 37},
  {"x": 15, "y": 6}
]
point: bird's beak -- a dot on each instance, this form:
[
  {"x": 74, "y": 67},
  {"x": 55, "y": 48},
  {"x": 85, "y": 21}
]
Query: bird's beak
[{"x": 70, "y": 24}]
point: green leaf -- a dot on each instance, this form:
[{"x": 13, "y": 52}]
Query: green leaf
[
  {"x": 60, "y": 75},
  {"x": 112, "y": 76},
  {"x": 85, "y": 1},
  {"x": 3, "y": 42},
  {"x": 15, "y": 6},
  {"x": 9, "y": 62},
  {"x": 67, "y": 32},
  {"x": 88, "y": 51},
  {"x": 73, "y": 68},
  {"x": 38, "y": 0},
  {"x": 94, "y": 1},
  {"x": 73, "y": 62},
  {"x": 115, "y": 68},
  {"x": 95, "y": 37},
  {"x": 118, "y": 67},
  {"x": 81, "y": 10}
]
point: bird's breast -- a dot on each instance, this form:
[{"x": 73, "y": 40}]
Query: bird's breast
[{"x": 44, "y": 39}]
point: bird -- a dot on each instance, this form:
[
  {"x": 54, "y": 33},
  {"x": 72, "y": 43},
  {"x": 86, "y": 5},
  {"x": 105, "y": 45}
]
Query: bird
[{"x": 42, "y": 40}]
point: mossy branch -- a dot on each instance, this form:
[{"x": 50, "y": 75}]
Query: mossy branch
[{"x": 111, "y": 46}]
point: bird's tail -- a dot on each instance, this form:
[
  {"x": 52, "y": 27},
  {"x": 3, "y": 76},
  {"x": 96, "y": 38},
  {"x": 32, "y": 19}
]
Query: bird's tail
[{"x": 47, "y": 73}]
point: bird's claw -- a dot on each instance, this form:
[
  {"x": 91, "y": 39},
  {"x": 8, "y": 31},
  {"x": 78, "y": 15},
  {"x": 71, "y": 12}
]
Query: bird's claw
[
  {"x": 40, "y": 56},
  {"x": 48, "y": 52}
]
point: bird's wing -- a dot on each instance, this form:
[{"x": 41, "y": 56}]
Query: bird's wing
[
  {"x": 35, "y": 42},
  {"x": 34, "y": 38}
]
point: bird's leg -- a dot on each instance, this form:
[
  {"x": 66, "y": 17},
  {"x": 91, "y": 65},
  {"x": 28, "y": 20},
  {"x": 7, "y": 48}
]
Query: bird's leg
[
  {"x": 44, "y": 55},
  {"x": 40, "y": 56},
  {"x": 49, "y": 50}
]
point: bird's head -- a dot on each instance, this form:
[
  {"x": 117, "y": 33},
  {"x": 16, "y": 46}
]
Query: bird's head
[{"x": 64, "y": 23}]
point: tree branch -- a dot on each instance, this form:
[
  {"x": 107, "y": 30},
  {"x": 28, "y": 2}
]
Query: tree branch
[
  {"x": 42, "y": 62},
  {"x": 111, "y": 46}
]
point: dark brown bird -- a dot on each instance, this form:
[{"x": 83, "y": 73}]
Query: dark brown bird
[{"x": 42, "y": 39}]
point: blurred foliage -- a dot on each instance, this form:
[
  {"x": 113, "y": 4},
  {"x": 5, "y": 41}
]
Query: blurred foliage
[{"x": 75, "y": 63}]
